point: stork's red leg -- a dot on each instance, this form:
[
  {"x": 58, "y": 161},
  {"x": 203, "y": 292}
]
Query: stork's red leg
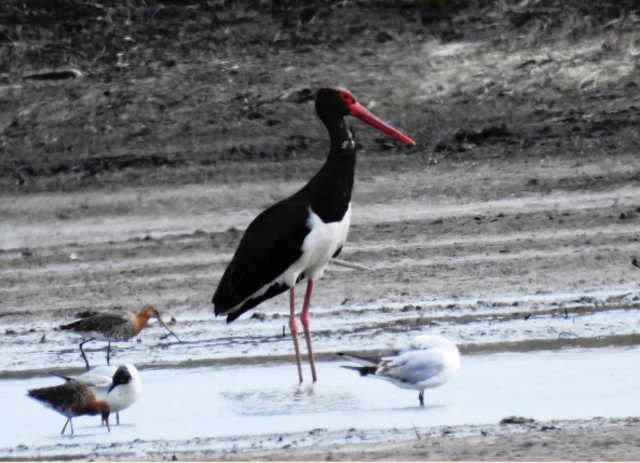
[
  {"x": 304, "y": 318},
  {"x": 294, "y": 329}
]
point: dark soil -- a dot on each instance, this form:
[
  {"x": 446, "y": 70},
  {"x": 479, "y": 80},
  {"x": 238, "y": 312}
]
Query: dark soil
[{"x": 197, "y": 91}]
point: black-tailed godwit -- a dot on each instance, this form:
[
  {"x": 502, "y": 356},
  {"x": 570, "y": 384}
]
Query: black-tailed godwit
[
  {"x": 72, "y": 399},
  {"x": 113, "y": 327},
  {"x": 119, "y": 386}
]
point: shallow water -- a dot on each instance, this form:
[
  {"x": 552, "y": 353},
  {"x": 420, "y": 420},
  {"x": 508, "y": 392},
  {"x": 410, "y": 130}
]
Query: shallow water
[{"x": 262, "y": 402}]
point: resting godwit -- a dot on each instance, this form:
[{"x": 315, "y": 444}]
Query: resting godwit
[
  {"x": 113, "y": 327},
  {"x": 296, "y": 238},
  {"x": 120, "y": 387},
  {"x": 72, "y": 399},
  {"x": 427, "y": 361}
]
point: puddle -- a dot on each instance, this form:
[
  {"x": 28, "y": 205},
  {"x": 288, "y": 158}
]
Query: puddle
[{"x": 265, "y": 402}]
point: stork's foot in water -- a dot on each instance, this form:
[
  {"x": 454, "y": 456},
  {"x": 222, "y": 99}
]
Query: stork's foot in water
[
  {"x": 306, "y": 390},
  {"x": 421, "y": 397}
]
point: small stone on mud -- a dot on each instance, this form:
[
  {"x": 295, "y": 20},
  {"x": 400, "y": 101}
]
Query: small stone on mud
[
  {"x": 55, "y": 75},
  {"x": 259, "y": 316},
  {"x": 516, "y": 420},
  {"x": 441, "y": 146},
  {"x": 384, "y": 36},
  {"x": 9, "y": 331},
  {"x": 301, "y": 95}
]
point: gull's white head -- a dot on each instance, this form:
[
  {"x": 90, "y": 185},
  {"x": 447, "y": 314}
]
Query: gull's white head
[{"x": 429, "y": 341}]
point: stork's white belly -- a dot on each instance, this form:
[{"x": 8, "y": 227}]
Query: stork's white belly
[
  {"x": 322, "y": 242},
  {"x": 318, "y": 247}
]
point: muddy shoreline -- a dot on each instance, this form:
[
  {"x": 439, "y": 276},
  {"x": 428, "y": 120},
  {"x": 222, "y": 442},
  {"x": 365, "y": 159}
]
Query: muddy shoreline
[
  {"x": 599, "y": 439},
  {"x": 523, "y": 439}
]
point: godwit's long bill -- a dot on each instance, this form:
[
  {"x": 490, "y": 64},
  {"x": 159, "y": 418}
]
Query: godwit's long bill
[
  {"x": 294, "y": 239},
  {"x": 119, "y": 386},
  {"x": 72, "y": 399},
  {"x": 427, "y": 361},
  {"x": 113, "y": 327}
]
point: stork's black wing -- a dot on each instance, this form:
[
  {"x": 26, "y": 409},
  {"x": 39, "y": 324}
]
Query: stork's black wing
[{"x": 270, "y": 245}]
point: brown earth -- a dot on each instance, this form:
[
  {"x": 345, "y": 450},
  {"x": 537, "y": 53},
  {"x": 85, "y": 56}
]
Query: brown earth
[{"x": 190, "y": 117}]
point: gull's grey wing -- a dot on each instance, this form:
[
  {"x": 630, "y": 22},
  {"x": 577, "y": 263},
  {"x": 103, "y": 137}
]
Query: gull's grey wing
[
  {"x": 94, "y": 380},
  {"x": 411, "y": 367}
]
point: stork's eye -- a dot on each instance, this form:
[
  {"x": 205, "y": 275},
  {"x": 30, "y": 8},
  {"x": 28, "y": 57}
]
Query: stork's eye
[{"x": 346, "y": 98}]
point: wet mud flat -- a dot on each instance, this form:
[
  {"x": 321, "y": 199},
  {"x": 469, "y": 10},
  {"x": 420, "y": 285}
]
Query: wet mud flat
[{"x": 510, "y": 228}]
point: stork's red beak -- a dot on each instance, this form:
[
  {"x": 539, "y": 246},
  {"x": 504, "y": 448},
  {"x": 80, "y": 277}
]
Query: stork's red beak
[{"x": 362, "y": 113}]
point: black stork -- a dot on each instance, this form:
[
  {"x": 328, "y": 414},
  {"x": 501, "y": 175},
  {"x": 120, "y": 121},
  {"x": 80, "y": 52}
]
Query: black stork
[{"x": 295, "y": 239}]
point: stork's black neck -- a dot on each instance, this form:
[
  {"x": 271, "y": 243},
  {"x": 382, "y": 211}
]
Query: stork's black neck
[
  {"x": 338, "y": 133},
  {"x": 330, "y": 189}
]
